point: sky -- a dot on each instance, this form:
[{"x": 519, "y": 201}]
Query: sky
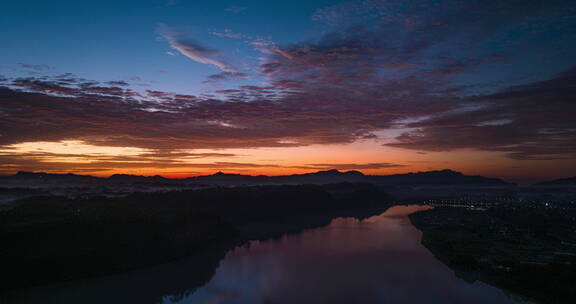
[{"x": 187, "y": 87}]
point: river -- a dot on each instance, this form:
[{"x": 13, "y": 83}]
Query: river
[{"x": 375, "y": 260}]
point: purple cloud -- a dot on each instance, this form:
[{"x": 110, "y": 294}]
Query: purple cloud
[
  {"x": 532, "y": 121},
  {"x": 399, "y": 72}
]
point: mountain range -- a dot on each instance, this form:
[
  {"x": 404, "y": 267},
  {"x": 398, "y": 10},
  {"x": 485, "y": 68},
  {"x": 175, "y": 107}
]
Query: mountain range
[{"x": 433, "y": 178}]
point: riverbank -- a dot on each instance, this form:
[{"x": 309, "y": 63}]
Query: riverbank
[
  {"x": 54, "y": 239},
  {"x": 529, "y": 252}
]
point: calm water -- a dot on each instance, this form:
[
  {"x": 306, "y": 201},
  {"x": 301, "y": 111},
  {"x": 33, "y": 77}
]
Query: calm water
[{"x": 377, "y": 260}]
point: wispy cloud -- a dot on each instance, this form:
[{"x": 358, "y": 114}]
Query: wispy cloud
[
  {"x": 228, "y": 33},
  {"x": 235, "y": 9},
  {"x": 226, "y": 76},
  {"x": 36, "y": 67},
  {"x": 171, "y": 2},
  {"x": 193, "y": 49}
]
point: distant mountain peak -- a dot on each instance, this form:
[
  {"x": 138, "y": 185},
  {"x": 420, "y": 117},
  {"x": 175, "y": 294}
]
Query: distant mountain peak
[
  {"x": 29, "y": 173},
  {"x": 131, "y": 177},
  {"x": 44, "y": 176},
  {"x": 354, "y": 172},
  {"x": 329, "y": 172},
  {"x": 235, "y": 175},
  {"x": 447, "y": 172},
  {"x": 119, "y": 175},
  {"x": 335, "y": 172},
  {"x": 444, "y": 172}
]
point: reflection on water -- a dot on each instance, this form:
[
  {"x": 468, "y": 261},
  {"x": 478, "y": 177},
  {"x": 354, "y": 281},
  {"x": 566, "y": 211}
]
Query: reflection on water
[{"x": 377, "y": 260}]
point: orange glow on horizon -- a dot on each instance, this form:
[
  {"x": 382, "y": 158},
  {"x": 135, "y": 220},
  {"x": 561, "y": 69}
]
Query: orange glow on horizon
[{"x": 367, "y": 156}]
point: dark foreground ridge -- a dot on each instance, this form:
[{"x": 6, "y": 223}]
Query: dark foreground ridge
[
  {"x": 49, "y": 239},
  {"x": 530, "y": 252}
]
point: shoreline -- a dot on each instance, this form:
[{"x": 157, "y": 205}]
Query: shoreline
[{"x": 502, "y": 248}]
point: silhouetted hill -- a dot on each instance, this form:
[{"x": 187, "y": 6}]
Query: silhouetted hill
[
  {"x": 221, "y": 178},
  {"x": 127, "y": 178},
  {"x": 433, "y": 178},
  {"x": 442, "y": 177},
  {"x": 334, "y": 172},
  {"x": 41, "y": 176},
  {"x": 437, "y": 178},
  {"x": 570, "y": 181},
  {"x": 69, "y": 179},
  {"x": 322, "y": 177}
]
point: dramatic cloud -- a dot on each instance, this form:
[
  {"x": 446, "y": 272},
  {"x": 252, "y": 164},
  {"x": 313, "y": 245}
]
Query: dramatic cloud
[
  {"x": 447, "y": 76},
  {"x": 193, "y": 49},
  {"x": 112, "y": 116},
  {"x": 416, "y": 62},
  {"x": 533, "y": 121}
]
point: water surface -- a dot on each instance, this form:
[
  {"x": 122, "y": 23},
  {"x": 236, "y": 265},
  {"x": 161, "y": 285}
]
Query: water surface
[{"x": 376, "y": 260}]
